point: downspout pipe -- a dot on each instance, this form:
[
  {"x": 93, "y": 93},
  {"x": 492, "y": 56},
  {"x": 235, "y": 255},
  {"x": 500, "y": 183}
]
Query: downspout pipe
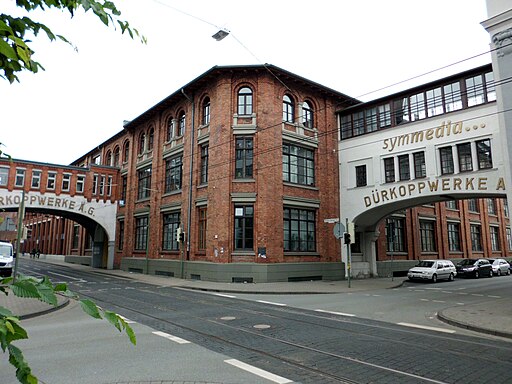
[{"x": 191, "y": 173}]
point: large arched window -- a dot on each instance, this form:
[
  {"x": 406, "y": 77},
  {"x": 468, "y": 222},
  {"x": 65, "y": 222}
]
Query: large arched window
[
  {"x": 126, "y": 151},
  {"x": 151, "y": 139},
  {"x": 288, "y": 108},
  {"x": 169, "y": 134},
  {"x": 307, "y": 115},
  {"x": 181, "y": 124},
  {"x": 142, "y": 141},
  {"x": 116, "y": 156},
  {"x": 206, "y": 111},
  {"x": 245, "y": 101},
  {"x": 108, "y": 158}
]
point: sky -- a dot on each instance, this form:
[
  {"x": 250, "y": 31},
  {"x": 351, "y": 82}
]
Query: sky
[{"x": 355, "y": 47}]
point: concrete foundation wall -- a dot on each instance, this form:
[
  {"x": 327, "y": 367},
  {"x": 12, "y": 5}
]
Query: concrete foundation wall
[{"x": 237, "y": 272}]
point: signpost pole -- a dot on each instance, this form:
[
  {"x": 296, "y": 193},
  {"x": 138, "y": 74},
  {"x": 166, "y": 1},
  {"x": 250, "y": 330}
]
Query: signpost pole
[{"x": 21, "y": 216}]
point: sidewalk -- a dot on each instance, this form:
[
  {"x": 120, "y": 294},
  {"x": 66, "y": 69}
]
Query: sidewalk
[{"x": 492, "y": 317}]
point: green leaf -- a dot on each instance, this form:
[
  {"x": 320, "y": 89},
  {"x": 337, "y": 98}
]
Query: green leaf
[
  {"x": 4, "y": 312},
  {"x": 113, "y": 319},
  {"x": 90, "y": 308}
]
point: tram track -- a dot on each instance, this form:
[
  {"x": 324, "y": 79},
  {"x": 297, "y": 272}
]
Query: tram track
[{"x": 308, "y": 353}]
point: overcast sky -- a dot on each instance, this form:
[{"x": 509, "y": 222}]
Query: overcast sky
[{"x": 354, "y": 47}]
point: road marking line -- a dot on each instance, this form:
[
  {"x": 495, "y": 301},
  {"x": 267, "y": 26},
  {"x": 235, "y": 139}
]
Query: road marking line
[
  {"x": 477, "y": 294},
  {"x": 376, "y": 295},
  {"x": 128, "y": 321},
  {"x": 463, "y": 293},
  {"x": 438, "y": 301},
  {"x": 460, "y": 303},
  {"x": 176, "y": 339},
  {"x": 258, "y": 372},
  {"x": 427, "y": 327},
  {"x": 335, "y": 313},
  {"x": 224, "y": 295},
  {"x": 494, "y": 297},
  {"x": 436, "y": 289},
  {"x": 449, "y": 292},
  {"x": 424, "y": 300},
  {"x": 67, "y": 276},
  {"x": 271, "y": 302}
]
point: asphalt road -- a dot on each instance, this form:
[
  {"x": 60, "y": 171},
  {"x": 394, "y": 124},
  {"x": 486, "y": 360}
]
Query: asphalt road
[{"x": 299, "y": 339}]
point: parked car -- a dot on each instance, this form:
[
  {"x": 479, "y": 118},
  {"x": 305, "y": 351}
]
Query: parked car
[
  {"x": 6, "y": 259},
  {"x": 500, "y": 267},
  {"x": 433, "y": 270},
  {"x": 474, "y": 268}
]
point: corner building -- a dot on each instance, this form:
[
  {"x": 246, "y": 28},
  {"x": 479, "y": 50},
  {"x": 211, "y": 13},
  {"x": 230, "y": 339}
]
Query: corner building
[{"x": 243, "y": 161}]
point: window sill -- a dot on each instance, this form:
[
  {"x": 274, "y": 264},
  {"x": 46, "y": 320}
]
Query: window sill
[
  {"x": 298, "y": 253},
  {"x": 243, "y": 253},
  {"x": 244, "y": 180},
  {"x": 288, "y": 184}
]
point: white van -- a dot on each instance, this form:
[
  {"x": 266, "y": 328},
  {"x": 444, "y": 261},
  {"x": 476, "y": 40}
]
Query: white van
[
  {"x": 6, "y": 259},
  {"x": 433, "y": 270}
]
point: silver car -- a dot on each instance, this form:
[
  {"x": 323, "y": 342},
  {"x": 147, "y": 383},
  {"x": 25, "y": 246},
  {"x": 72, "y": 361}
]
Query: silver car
[{"x": 500, "y": 267}]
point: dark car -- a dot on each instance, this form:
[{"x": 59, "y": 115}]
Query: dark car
[{"x": 474, "y": 268}]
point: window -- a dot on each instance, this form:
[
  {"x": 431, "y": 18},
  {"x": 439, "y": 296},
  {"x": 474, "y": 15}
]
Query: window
[
  {"x": 151, "y": 139},
  {"x": 483, "y": 149},
  {"x": 173, "y": 174},
  {"x": 401, "y": 111},
  {"x": 109, "y": 185},
  {"x": 206, "y": 111},
  {"x": 20, "y": 177},
  {"x": 389, "y": 170},
  {"x": 204, "y": 164},
  {"x": 358, "y": 119},
  {"x": 201, "y": 234},
  {"x": 490, "y": 86},
  {"x": 66, "y": 182},
  {"x": 299, "y": 230},
  {"x": 473, "y": 205},
  {"x": 417, "y": 103},
  {"x": 181, "y": 124},
  {"x": 476, "y": 240},
  {"x": 452, "y": 97},
  {"x": 384, "y": 115},
  {"x": 491, "y": 207},
  {"x": 509, "y": 238},
  {"x": 371, "y": 119},
  {"x": 144, "y": 184},
  {"x": 50, "y": 182},
  {"x": 495, "y": 238},
  {"x": 76, "y": 235},
  {"x": 36, "y": 179},
  {"x": 169, "y": 134},
  {"x": 465, "y": 160},
  {"x": 124, "y": 188},
  {"x": 120, "y": 239},
  {"x": 454, "y": 237},
  {"x": 96, "y": 160},
  {"x": 446, "y": 158},
  {"x": 243, "y": 157},
  {"x": 80, "y": 182},
  {"x": 288, "y": 109},
  {"x": 298, "y": 165},
  {"x": 420, "y": 169},
  {"x": 126, "y": 151},
  {"x": 505, "y": 207},
  {"x": 244, "y": 225},
  {"x": 245, "y": 101},
  {"x": 361, "y": 176},
  {"x": 4, "y": 176},
  {"x": 434, "y": 102},
  {"x": 116, "y": 156},
  {"x": 346, "y": 126},
  {"x": 95, "y": 184},
  {"x": 141, "y": 233},
  {"x": 102, "y": 185},
  {"x": 475, "y": 90},
  {"x": 108, "y": 159},
  {"x": 427, "y": 236},
  {"x": 307, "y": 115},
  {"x": 395, "y": 234},
  {"x": 142, "y": 143},
  {"x": 404, "y": 172},
  {"x": 450, "y": 204},
  {"x": 171, "y": 224}
]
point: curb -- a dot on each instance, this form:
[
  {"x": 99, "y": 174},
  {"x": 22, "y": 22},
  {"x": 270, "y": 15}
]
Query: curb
[
  {"x": 461, "y": 324},
  {"x": 60, "y": 305}
]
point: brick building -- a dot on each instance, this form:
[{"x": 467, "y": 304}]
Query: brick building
[{"x": 243, "y": 161}]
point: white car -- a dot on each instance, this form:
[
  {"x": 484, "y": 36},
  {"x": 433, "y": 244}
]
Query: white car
[
  {"x": 6, "y": 259},
  {"x": 433, "y": 270},
  {"x": 500, "y": 267}
]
